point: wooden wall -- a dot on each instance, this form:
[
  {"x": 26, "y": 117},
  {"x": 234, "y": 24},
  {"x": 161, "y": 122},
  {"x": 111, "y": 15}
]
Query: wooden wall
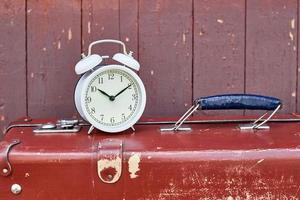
[{"x": 187, "y": 48}]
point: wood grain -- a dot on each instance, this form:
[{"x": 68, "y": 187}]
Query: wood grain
[
  {"x": 100, "y": 20},
  {"x": 53, "y": 50},
  {"x": 165, "y": 52},
  {"x": 12, "y": 61},
  {"x": 129, "y": 25},
  {"x": 219, "y": 32},
  {"x": 272, "y": 50}
]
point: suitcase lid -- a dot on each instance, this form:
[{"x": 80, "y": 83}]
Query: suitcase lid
[{"x": 208, "y": 133}]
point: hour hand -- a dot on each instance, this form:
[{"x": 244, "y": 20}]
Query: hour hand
[{"x": 104, "y": 93}]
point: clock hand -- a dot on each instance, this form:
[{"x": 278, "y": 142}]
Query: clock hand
[
  {"x": 112, "y": 98},
  {"x": 122, "y": 91}
]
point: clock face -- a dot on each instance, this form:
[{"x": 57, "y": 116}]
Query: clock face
[{"x": 113, "y": 98}]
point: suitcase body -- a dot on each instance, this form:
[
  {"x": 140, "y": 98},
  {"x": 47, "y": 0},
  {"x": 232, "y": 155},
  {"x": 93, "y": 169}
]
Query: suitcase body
[{"x": 213, "y": 161}]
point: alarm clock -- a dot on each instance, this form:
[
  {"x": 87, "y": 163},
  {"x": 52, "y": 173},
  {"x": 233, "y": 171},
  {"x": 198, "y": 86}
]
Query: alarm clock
[{"x": 111, "y": 97}]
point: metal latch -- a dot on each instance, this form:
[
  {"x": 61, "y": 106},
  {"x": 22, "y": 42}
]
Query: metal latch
[
  {"x": 5, "y": 148},
  {"x": 61, "y": 126}
]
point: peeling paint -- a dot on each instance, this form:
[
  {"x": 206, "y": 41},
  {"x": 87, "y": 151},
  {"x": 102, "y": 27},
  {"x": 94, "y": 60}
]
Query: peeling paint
[
  {"x": 29, "y": 11},
  {"x": 183, "y": 38},
  {"x": 127, "y": 39},
  {"x": 70, "y": 34},
  {"x": 291, "y": 35},
  {"x": 152, "y": 72},
  {"x": 89, "y": 27},
  {"x": 2, "y": 118},
  {"x": 58, "y": 45},
  {"x": 106, "y": 164},
  {"x": 293, "y": 23},
  {"x": 294, "y": 94},
  {"x": 261, "y": 160},
  {"x": 294, "y": 48},
  {"x": 221, "y": 21},
  {"x": 44, "y": 49},
  {"x": 133, "y": 164},
  {"x": 32, "y": 75}
]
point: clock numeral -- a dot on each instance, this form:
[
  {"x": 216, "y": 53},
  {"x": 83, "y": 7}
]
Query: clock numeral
[
  {"x": 112, "y": 120},
  {"x": 100, "y": 80},
  {"x": 88, "y": 99},
  {"x": 111, "y": 76},
  {"x": 130, "y": 107},
  {"x": 93, "y": 110},
  {"x": 101, "y": 117},
  {"x": 93, "y": 89},
  {"x": 134, "y": 96},
  {"x": 121, "y": 77},
  {"x": 123, "y": 116}
]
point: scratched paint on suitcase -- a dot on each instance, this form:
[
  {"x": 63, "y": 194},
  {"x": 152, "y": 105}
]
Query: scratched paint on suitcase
[{"x": 214, "y": 161}]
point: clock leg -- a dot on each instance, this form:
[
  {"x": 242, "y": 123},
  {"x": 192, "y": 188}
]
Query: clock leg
[
  {"x": 133, "y": 129},
  {"x": 91, "y": 129}
]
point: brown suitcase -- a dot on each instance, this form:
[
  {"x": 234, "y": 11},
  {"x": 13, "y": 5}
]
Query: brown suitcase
[{"x": 212, "y": 161}]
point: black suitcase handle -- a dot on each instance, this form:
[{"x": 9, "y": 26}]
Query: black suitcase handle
[
  {"x": 233, "y": 101},
  {"x": 238, "y": 102}
]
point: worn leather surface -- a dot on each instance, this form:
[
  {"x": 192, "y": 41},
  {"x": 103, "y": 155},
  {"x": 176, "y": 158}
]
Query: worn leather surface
[{"x": 238, "y": 101}]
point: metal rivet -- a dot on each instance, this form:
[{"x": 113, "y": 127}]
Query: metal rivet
[
  {"x": 109, "y": 176},
  {"x": 27, "y": 119},
  {"x": 16, "y": 189},
  {"x": 5, "y": 171}
]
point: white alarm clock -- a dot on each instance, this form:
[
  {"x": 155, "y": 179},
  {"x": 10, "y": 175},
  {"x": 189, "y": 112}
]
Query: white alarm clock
[{"x": 112, "y": 97}]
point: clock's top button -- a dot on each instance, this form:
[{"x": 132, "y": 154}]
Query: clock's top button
[{"x": 87, "y": 63}]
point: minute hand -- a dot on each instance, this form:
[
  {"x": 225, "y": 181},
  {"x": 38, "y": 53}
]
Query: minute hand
[{"x": 122, "y": 91}]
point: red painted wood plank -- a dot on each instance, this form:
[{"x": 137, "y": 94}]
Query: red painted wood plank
[
  {"x": 272, "y": 50},
  {"x": 165, "y": 51},
  {"x": 100, "y": 20},
  {"x": 129, "y": 25},
  {"x": 12, "y": 62},
  {"x": 219, "y": 30},
  {"x": 53, "y": 50}
]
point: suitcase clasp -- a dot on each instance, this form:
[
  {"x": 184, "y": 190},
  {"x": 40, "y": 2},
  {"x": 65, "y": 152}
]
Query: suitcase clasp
[{"x": 109, "y": 160}]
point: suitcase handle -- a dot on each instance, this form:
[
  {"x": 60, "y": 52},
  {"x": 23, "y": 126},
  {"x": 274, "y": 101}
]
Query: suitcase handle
[
  {"x": 237, "y": 102},
  {"x": 233, "y": 101}
]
